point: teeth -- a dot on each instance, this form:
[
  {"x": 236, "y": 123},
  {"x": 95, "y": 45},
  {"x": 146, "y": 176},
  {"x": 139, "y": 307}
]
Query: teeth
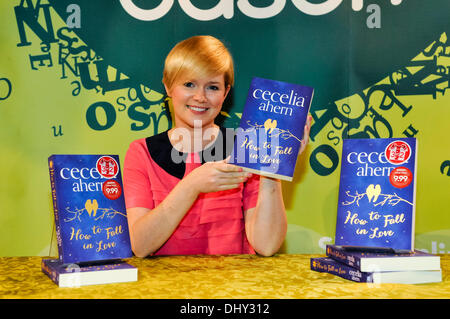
[{"x": 198, "y": 109}]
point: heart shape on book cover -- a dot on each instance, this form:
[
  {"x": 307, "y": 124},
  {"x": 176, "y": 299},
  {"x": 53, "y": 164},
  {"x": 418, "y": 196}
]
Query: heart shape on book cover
[
  {"x": 373, "y": 192},
  {"x": 270, "y": 125},
  {"x": 91, "y": 206}
]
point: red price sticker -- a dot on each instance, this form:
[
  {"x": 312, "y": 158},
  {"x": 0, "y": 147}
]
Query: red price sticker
[
  {"x": 400, "y": 177},
  {"x": 107, "y": 167},
  {"x": 111, "y": 189},
  {"x": 398, "y": 152}
]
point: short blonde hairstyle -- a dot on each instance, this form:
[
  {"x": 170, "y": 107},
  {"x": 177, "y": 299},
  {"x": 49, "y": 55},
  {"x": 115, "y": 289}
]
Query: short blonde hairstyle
[{"x": 201, "y": 55}]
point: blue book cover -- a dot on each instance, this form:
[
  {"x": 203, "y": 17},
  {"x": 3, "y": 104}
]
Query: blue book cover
[
  {"x": 365, "y": 259},
  {"x": 89, "y": 208},
  {"x": 376, "y": 204},
  {"x": 331, "y": 266},
  {"x": 271, "y": 128},
  {"x": 74, "y": 275}
]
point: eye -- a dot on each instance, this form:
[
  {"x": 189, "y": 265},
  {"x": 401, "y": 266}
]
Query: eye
[
  {"x": 213, "y": 87},
  {"x": 189, "y": 84}
]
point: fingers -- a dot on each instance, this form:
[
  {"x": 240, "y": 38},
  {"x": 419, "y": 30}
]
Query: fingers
[
  {"x": 231, "y": 173},
  {"x": 224, "y": 166},
  {"x": 234, "y": 178},
  {"x": 225, "y": 187},
  {"x": 224, "y": 182},
  {"x": 306, "y": 132},
  {"x": 220, "y": 175},
  {"x": 307, "y": 127}
]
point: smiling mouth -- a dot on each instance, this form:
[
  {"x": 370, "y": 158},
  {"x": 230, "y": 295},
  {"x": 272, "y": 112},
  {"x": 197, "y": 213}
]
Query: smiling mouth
[{"x": 197, "y": 108}]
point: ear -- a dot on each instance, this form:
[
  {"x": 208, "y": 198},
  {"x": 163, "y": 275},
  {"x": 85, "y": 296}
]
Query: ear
[
  {"x": 227, "y": 89},
  {"x": 167, "y": 89}
]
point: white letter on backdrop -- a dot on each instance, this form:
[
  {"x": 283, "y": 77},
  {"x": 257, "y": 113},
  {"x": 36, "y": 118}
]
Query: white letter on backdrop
[
  {"x": 261, "y": 13},
  {"x": 357, "y": 5},
  {"x": 374, "y": 19},
  {"x": 147, "y": 15},
  {"x": 223, "y": 8},
  {"x": 74, "y": 19},
  {"x": 316, "y": 9}
]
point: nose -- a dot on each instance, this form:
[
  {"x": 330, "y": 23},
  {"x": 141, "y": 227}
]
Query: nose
[{"x": 200, "y": 96}]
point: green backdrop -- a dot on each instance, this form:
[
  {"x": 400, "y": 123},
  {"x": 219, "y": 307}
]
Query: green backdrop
[{"x": 85, "y": 77}]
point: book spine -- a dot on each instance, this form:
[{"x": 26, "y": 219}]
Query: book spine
[
  {"x": 413, "y": 212},
  {"x": 343, "y": 257},
  {"x": 328, "y": 265},
  {"x": 51, "y": 166},
  {"x": 51, "y": 273}
]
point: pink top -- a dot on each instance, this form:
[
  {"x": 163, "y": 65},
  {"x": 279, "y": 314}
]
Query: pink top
[{"x": 215, "y": 222}]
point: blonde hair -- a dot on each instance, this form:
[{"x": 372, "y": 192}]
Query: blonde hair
[{"x": 202, "y": 55}]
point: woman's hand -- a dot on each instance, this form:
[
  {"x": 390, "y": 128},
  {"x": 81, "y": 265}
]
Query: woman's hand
[
  {"x": 306, "y": 131},
  {"x": 216, "y": 176}
]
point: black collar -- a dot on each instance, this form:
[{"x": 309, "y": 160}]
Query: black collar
[{"x": 161, "y": 149}]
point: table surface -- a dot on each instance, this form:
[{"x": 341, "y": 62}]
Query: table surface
[{"x": 281, "y": 276}]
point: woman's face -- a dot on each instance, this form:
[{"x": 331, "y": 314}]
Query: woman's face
[{"x": 197, "y": 99}]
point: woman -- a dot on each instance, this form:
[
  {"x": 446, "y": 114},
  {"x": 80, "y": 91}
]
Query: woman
[{"x": 178, "y": 203}]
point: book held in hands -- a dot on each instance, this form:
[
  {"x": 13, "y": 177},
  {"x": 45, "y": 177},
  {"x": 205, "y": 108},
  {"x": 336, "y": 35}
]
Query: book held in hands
[
  {"x": 269, "y": 136},
  {"x": 90, "y": 215}
]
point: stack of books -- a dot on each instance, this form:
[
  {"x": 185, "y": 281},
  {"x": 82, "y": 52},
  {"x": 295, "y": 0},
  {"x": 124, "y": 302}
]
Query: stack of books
[
  {"x": 374, "y": 240},
  {"x": 362, "y": 264},
  {"x": 90, "y": 220}
]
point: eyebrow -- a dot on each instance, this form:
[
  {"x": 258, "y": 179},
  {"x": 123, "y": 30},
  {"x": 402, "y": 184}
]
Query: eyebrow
[{"x": 207, "y": 83}]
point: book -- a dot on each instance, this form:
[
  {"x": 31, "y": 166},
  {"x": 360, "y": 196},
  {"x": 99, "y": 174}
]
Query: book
[
  {"x": 364, "y": 261},
  {"x": 377, "y": 191},
  {"x": 76, "y": 275},
  {"x": 269, "y": 136},
  {"x": 331, "y": 266},
  {"x": 89, "y": 208}
]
